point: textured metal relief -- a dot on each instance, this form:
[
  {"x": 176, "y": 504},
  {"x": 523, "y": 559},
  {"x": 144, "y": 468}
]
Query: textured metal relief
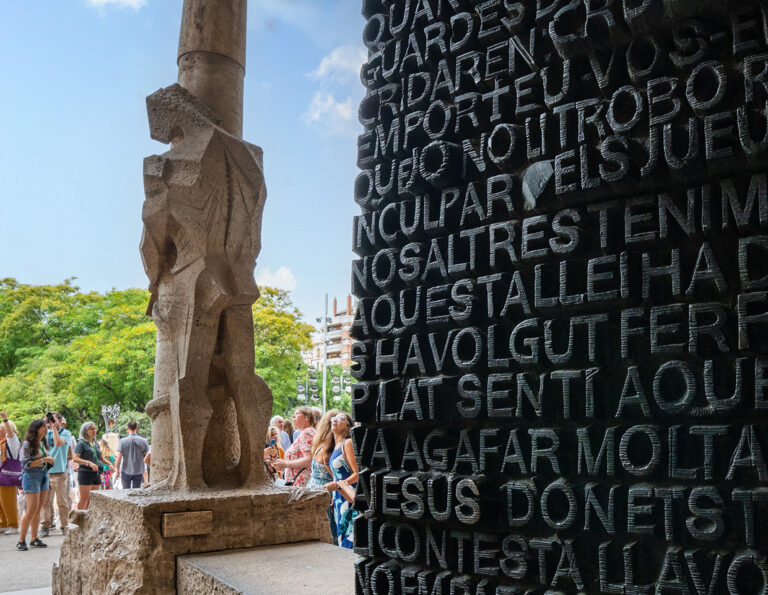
[{"x": 562, "y": 265}]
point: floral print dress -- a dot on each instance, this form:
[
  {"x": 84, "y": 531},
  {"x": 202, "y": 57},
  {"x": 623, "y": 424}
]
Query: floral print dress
[
  {"x": 301, "y": 447},
  {"x": 107, "y": 480},
  {"x": 342, "y": 508}
]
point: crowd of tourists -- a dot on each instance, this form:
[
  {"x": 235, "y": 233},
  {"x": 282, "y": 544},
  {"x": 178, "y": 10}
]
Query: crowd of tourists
[
  {"x": 47, "y": 472},
  {"x": 314, "y": 451},
  {"x": 50, "y": 471}
]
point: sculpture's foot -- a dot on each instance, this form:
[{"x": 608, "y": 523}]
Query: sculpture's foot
[
  {"x": 152, "y": 488},
  {"x": 176, "y": 481},
  {"x": 171, "y": 482}
]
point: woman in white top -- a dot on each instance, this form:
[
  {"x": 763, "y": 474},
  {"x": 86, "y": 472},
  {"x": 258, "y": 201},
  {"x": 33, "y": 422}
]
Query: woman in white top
[{"x": 9, "y": 446}]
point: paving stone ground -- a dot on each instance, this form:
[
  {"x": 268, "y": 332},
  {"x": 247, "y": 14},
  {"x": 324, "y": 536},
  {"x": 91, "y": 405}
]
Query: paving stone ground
[{"x": 28, "y": 573}]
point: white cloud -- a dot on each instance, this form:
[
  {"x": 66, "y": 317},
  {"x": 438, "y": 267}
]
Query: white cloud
[
  {"x": 282, "y": 278},
  {"x": 342, "y": 64},
  {"x": 134, "y": 4},
  {"x": 331, "y": 117}
]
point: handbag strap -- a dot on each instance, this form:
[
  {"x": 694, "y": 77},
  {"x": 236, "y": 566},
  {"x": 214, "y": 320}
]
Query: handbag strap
[
  {"x": 5, "y": 451},
  {"x": 8, "y": 452}
]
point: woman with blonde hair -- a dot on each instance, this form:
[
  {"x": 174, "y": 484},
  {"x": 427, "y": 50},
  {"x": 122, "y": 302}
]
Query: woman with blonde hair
[
  {"x": 298, "y": 457},
  {"x": 273, "y": 450},
  {"x": 106, "y": 476},
  {"x": 320, "y": 472},
  {"x": 345, "y": 472},
  {"x": 273, "y": 433}
]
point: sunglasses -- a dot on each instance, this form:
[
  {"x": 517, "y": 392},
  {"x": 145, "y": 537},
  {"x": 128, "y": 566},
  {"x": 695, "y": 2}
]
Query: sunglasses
[{"x": 339, "y": 417}]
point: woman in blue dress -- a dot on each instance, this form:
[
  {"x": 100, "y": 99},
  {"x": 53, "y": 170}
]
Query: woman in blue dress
[{"x": 344, "y": 468}]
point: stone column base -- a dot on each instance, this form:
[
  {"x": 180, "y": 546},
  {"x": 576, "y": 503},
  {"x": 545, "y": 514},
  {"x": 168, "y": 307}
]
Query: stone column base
[{"x": 127, "y": 542}]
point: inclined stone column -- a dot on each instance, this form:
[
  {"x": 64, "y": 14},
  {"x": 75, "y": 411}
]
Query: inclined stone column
[{"x": 212, "y": 57}]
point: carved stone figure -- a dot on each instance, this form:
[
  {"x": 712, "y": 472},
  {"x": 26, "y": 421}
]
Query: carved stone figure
[{"x": 202, "y": 223}]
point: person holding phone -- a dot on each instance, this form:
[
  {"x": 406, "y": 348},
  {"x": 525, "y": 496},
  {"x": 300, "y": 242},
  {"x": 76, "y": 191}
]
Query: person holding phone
[
  {"x": 90, "y": 459},
  {"x": 34, "y": 481},
  {"x": 272, "y": 450},
  {"x": 57, "y": 445}
]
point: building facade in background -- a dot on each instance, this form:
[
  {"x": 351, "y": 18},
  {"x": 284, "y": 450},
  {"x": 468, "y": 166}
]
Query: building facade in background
[{"x": 339, "y": 341}]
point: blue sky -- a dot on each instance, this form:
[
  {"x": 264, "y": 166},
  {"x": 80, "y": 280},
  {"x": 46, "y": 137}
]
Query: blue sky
[{"x": 73, "y": 134}]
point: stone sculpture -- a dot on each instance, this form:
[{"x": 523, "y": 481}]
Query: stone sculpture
[
  {"x": 561, "y": 339},
  {"x": 202, "y": 225},
  {"x": 202, "y": 220}
]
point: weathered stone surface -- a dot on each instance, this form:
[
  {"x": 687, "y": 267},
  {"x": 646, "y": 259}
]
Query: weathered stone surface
[
  {"x": 202, "y": 223},
  {"x": 212, "y": 57},
  {"x": 300, "y": 569},
  {"x": 118, "y": 545},
  {"x": 202, "y": 230}
]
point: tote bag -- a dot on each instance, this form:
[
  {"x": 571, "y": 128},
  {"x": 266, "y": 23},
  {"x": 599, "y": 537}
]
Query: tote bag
[{"x": 10, "y": 471}]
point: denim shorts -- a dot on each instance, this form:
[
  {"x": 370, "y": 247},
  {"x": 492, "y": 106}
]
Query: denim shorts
[{"x": 34, "y": 481}]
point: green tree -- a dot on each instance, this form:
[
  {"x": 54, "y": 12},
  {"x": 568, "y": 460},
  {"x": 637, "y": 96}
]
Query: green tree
[
  {"x": 80, "y": 351},
  {"x": 33, "y": 317},
  {"x": 345, "y": 401},
  {"x": 63, "y": 350},
  {"x": 280, "y": 336},
  {"x": 141, "y": 418}
]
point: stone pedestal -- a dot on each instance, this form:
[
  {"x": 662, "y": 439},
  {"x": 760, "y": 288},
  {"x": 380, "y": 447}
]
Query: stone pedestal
[
  {"x": 299, "y": 569},
  {"x": 127, "y": 542}
]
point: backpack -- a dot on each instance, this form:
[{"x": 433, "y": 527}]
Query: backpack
[{"x": 10, "y": 470}]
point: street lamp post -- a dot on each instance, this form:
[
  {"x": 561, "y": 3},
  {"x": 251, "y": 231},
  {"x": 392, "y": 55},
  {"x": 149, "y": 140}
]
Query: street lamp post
[
  {"x": 325, "y": 351},
  {"x": 307, "y": 388},
  {"x": 341, "y": 383}
]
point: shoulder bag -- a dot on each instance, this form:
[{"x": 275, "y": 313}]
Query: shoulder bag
[{"x": 10, "y": 470}]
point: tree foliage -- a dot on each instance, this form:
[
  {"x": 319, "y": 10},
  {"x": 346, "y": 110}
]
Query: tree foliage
[
  {"x": 68, "y": 351},
  {"x": 302, "y": 376},
  {"x": 141, "y": 418},
  {"x": 280, "y": 337}
]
